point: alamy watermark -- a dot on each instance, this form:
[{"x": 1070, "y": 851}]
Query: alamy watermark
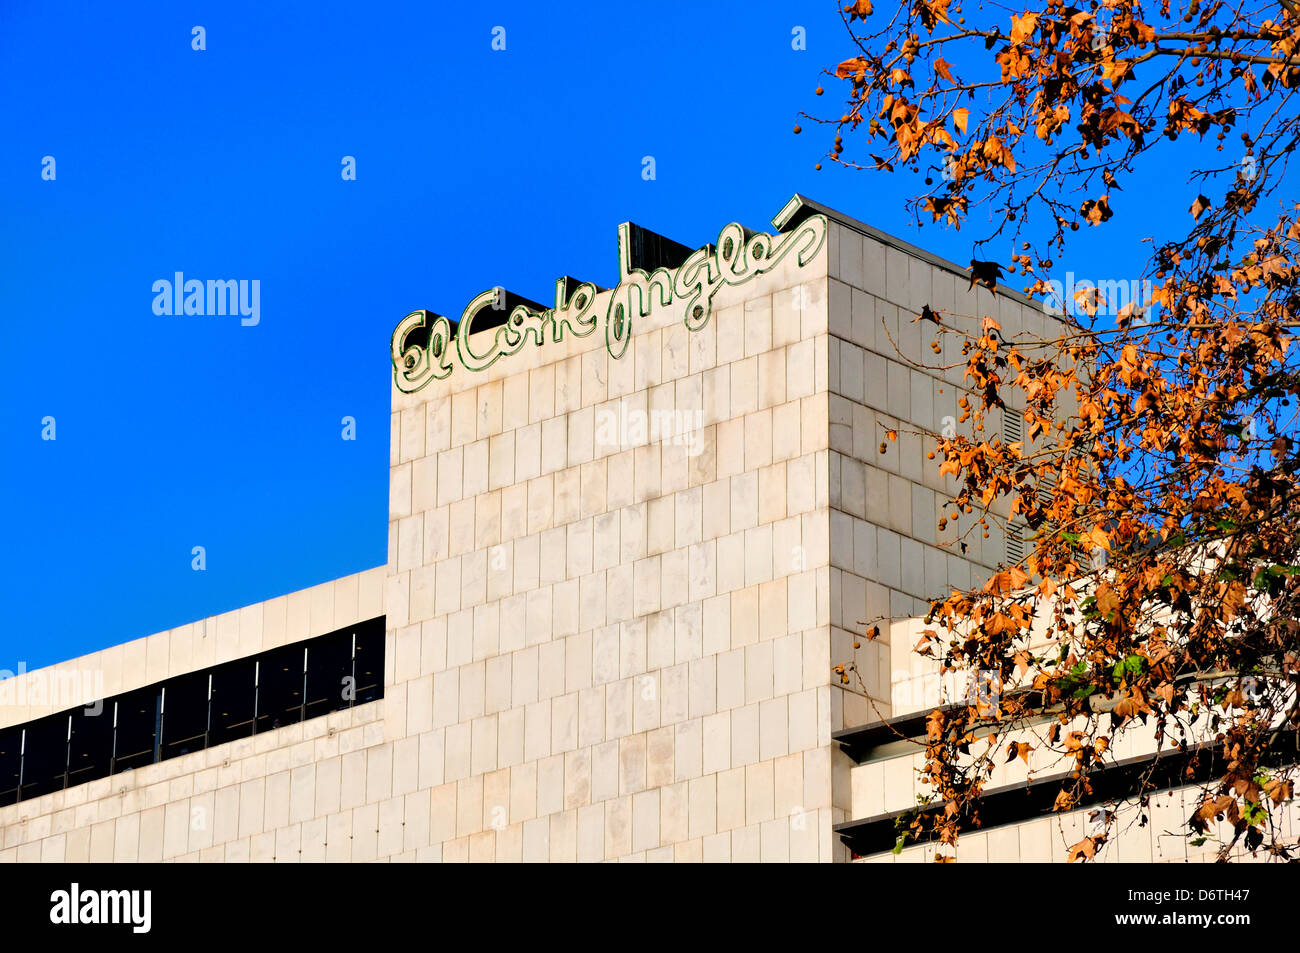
[
  {"x": 54, "y": 687},
  {"x": 980, "y": 688},
  {"x": 1080, "y": 297},
  {"x": 636, "y": 428},
  {"x": 76, "y": 905},
  {"x": 213, "y": 297}
]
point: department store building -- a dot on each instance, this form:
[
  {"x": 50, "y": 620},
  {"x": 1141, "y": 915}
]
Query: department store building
[{"x": 632, "y": 532}]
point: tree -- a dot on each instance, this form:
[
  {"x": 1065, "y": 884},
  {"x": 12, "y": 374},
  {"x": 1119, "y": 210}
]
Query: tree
[{"x": 1159, "y": 438}]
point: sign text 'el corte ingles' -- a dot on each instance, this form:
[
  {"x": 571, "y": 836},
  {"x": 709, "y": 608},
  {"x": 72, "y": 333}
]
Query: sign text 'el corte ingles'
[{"x": 426, "y": 346}]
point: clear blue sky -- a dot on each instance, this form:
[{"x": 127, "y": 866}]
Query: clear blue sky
[{"x": 474, "y": 168}]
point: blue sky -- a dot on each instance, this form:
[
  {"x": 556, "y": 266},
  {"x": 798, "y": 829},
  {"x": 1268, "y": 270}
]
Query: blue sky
[{"x": 474, "y": 168}]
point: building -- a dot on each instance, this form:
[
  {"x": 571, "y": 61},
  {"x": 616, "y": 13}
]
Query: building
[{"x": 630, "y": 535}]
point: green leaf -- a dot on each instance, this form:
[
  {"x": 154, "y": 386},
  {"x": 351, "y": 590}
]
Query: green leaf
[{"x": 1129, "y": 666}]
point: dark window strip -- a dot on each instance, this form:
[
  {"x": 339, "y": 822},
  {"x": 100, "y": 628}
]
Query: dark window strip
[{"x": 193, "y": 712}]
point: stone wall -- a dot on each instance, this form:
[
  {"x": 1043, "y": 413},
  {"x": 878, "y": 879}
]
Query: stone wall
[{"x": 612, "y": 649}]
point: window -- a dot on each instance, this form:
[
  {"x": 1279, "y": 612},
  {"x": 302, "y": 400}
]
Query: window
[
  {"x": 193, "y": 712},
  {"x": 368, "y": 665},
  {"x": 45, "y": 756},
  {"x": 329, "y": 674},
  {"x": 1013, "y": 425},
  {"x": 280, "y": 675},
  {"x": 234, "y": 697},
  {"x": 185, "y": 714},
  {"x": 11, "y": 759},
  {"x": 90, "y": 744},
  {"x": 135, "y": 729},
  {"x": 1018, "y": 537}
]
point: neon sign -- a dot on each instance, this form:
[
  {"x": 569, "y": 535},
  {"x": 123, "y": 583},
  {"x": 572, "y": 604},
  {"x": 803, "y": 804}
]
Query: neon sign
[{"x": 737, "y": 257}]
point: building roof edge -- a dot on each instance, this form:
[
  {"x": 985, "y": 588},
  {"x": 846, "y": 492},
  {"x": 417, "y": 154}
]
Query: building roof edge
[{"x": 800, "y": 207}]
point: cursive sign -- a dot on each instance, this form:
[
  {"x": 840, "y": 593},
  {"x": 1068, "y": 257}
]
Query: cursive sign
[{"x": 426, "y": 346}]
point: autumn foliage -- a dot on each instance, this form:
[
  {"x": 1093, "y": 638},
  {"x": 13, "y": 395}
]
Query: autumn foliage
[{"x": 1156, "y": 479}]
